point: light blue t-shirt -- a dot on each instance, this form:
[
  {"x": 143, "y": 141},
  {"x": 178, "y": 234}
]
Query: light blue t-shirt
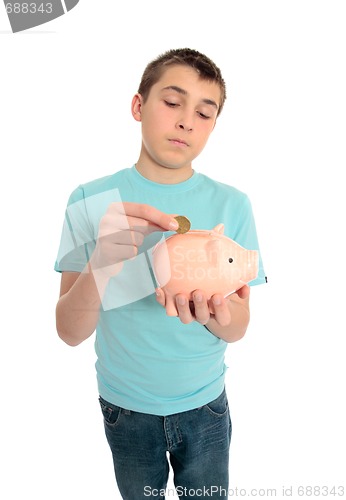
[{"x": 147, "y": 361}]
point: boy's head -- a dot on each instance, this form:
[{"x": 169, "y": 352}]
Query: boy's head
[{"x": 205, "y": 67}]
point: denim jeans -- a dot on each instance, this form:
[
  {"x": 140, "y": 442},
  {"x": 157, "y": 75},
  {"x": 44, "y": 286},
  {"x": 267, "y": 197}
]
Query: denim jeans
[{"x": 197, "y": 442}]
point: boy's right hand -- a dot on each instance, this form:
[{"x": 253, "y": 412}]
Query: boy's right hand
[{"x": 121, "y": 232}]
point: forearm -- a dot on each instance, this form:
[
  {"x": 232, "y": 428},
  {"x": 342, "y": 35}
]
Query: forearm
[
  {"x": 236, "y": 328},
  {"x": 77, "y": 310}
]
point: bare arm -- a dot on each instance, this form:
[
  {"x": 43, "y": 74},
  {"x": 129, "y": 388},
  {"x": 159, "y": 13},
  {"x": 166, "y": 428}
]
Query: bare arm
[
  {"x": 77, "y": 310},
  {"x": 235, "y": 312},
  {"x": 122, "y": 230}
]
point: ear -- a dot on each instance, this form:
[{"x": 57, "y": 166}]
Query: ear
[
  {"x": 136, "y": 107},
  {"x": 220, "y": 228}
]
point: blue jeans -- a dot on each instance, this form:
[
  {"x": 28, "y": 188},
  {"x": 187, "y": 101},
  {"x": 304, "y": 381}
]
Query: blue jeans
[{"x": 197, "y": 442}]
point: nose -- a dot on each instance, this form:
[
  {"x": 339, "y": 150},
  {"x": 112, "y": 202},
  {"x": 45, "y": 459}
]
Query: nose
[
  {"x": 185, "y": 121},
  {"x": 184, "y": 126}
]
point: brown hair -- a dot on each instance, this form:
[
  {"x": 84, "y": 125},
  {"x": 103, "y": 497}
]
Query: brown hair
[{"x": 204, "y": 66}]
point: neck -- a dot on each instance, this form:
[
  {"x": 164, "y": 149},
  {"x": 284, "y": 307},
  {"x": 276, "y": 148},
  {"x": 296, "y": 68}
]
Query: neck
[{"x": 164, "y": 175}]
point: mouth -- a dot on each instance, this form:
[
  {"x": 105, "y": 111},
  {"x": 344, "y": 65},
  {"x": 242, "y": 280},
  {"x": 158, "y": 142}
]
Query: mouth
[{"x": 178, "y": 142}]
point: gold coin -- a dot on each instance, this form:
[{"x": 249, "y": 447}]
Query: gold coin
[{"x": 184, "y": 224}]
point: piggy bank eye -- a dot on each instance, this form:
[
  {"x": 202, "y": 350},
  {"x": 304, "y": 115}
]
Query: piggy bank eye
[{"x": 230, "y": 260}]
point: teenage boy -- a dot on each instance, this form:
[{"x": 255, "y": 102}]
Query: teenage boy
[{"x": 160, "y": 378}]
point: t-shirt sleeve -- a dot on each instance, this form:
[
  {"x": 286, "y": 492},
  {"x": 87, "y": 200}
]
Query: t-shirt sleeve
[
  {"x": 246, "y": 235},
  {"x": 77, "y": 239}
]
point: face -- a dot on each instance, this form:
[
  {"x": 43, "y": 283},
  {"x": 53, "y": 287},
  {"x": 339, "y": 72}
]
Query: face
[{"x": 177, "y": 118}]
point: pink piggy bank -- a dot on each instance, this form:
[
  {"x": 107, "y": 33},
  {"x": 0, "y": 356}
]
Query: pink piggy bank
[{"x": 202, "y": 259}]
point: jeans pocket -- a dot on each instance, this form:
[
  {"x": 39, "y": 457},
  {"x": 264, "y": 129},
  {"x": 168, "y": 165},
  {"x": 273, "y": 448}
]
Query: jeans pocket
[
  {"x": 111, "y": 413},
  {"x": 219, "y": 406}
]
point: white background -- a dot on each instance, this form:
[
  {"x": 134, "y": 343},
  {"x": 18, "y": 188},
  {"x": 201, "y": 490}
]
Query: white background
[{"x": 65, "y": 93}]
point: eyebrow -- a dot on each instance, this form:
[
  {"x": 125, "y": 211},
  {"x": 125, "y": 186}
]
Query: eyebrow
[{"x": 179, "y": 90}]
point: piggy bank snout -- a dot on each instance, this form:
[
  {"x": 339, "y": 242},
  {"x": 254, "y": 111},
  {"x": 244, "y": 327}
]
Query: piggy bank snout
[
  {"x": 247, "y": 263},
  {"x": 250, "y": 265}
]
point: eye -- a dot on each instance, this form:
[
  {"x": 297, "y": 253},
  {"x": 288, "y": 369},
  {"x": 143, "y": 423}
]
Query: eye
[
  {"x": 230, "y": 260},
  {"x": 202, "y": 115},
  {"x": 171, "y": 104}
]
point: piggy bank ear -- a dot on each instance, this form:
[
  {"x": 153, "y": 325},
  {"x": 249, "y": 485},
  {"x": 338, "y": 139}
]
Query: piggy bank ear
[
  {"x": 220, "y": 228},
  {"x": 213, "y": 249}
]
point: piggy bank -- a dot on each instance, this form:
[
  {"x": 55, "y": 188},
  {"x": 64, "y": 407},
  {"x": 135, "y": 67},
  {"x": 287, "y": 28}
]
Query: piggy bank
[{"x": 202, "y": 259}]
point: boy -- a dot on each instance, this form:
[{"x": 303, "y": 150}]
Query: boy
[{"x": 160, "y": 378}]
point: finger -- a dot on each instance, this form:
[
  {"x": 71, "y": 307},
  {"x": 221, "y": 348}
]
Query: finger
[
  {"x": 123, "y": 237},
  {"x": 125, "y": 223},
  {"x": 201, "y": 307},
  {"x": 143, "y": 226},
  {"x": 155, "y": 217},
  {"x": 183, "y": 308},
  {"x": 112, "y": 254},
  {"x": 222, "y": 313},
  {"x": 243, "y": 292},
  {"x": 142, "y": 218},
  {"x": 114, "y": 221},
  {"x": 160, "y": 296}
]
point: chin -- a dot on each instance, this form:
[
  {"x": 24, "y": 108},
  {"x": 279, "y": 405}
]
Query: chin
[{"x": 175, "y": 164}]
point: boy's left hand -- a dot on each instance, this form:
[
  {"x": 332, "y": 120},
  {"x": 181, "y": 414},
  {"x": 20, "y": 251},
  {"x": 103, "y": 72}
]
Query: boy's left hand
[{"x": 202, "y": 310}]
